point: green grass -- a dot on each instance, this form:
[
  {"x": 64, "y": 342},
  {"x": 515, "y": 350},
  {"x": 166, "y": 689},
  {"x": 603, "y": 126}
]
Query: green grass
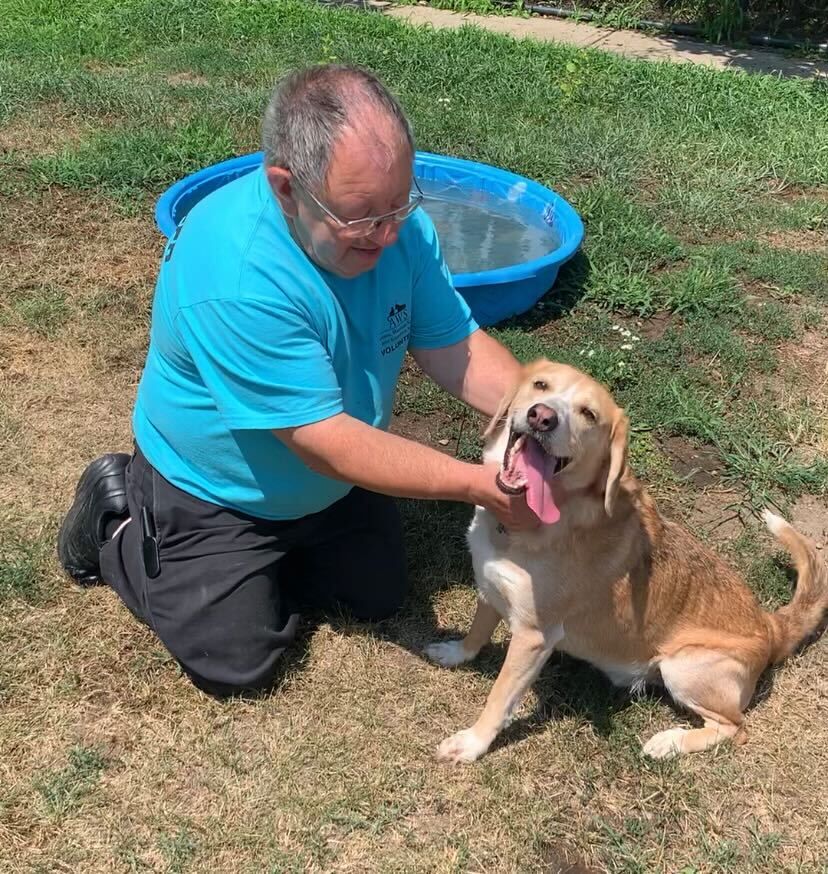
[
  {"x": 63, "y": 791},
  {"x": 43, "y": 310},
  {"x": 23, "y": 565},
  {"x": 132, "y": 160},
  {"x": 177, "y": 849},
  {"x": 687, "y": 301}
]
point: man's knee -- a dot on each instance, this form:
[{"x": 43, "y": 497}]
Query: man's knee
[
  {"x": 224, "y": 679},
  {"x": 229, "y": 687},
  {"x": 236, "y": 666}
]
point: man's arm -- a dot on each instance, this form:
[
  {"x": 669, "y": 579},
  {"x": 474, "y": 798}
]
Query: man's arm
[
  {"x": 477, "y": 370},
  {"x": 346, "y": 449}
]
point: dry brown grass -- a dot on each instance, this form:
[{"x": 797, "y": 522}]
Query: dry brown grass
[
  {"x": 69, "y": 393},
  {"x": 44, "y": 130},
  {"x": 334, "y": 771}
]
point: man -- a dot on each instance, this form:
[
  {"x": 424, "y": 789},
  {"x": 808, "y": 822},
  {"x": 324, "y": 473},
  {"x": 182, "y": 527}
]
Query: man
[{"x": 263, "y": 472}]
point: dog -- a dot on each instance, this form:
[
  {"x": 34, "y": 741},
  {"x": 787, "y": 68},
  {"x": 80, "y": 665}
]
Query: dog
[{"x": 608, "y": 580}]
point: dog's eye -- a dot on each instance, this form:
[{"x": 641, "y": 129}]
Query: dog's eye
[
  {"x": 540, "y": 385},
  {"x": 588, "y": 414}
]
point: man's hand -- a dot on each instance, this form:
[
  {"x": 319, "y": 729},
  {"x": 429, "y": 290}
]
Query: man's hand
[{"x": 511, "y": 511}]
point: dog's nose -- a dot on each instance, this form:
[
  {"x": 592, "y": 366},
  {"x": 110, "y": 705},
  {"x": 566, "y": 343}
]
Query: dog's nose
[{"x": 542, "y": 418}]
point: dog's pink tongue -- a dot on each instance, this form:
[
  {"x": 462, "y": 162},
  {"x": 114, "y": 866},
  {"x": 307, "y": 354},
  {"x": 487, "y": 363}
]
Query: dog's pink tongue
[{"x": 537, "y": 469}]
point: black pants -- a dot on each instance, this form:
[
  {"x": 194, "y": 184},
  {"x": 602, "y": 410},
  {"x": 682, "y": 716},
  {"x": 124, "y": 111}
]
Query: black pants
[{"x": 226, "y": 596}]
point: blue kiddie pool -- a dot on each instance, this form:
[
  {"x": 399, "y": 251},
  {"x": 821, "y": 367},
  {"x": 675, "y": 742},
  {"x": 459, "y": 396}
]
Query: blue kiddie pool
[{"x": 504, "y": 237}]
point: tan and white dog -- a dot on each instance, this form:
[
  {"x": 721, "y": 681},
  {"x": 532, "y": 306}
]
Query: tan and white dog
[{"x": 608, "y": 580}]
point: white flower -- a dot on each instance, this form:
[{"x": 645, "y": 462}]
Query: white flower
[
  {"x": 626, "y": 333},
  {"x": 590, "y": 353},
  {"x": 637, "y": 339},
  {"x": 626, "y": 345},
  {"x": 621, "y": 364},
  {"x": 616, "y": 327}
]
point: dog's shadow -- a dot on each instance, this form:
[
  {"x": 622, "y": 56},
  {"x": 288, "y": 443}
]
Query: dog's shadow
[{"x": 566, "y": 687}]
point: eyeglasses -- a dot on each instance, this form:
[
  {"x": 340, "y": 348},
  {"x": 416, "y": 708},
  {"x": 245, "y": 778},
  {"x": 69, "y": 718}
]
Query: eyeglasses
[{"x": 365, "y": 226}]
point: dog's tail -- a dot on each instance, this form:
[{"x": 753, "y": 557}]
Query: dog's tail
[{"x": 795, "y": 623}]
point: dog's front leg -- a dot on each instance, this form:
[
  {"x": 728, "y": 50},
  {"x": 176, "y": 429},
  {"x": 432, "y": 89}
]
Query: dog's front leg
[
  {"x": 528, "y": 652},
  {"x": 450, "y": 653}
]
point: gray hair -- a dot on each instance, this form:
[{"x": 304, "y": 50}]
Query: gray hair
[{"x": 308, "y": 110}]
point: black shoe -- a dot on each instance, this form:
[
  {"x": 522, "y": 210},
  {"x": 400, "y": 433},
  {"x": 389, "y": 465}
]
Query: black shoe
[{"x": 99, "y": 498}]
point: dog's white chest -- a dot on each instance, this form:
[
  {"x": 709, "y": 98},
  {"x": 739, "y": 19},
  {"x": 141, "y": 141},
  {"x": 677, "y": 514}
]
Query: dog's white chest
[{"x": 502, "y": 583}]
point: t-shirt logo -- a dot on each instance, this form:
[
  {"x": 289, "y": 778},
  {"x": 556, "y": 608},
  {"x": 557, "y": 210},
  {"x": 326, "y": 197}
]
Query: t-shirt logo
[
  {"x": 397, "y": 315},
  {"x": 398, "y": 328}
]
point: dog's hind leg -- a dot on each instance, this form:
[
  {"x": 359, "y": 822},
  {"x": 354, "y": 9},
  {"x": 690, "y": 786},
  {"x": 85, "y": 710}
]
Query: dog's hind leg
[
  {"x": 712, "y": 684},
  {"x": 450, "y": 653},
  {"x": 528, "y": 652}
]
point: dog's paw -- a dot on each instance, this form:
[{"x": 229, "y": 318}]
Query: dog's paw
[
  {"x": 448, "y": 653},
  {"x": 465, "y": 746},
  {"x": 665, "y": 744}
]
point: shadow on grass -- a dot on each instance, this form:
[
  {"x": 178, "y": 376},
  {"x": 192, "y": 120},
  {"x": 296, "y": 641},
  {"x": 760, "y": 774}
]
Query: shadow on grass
[
  {"x": 438, "y": 558},
  {"x": 568, "y": 290}
]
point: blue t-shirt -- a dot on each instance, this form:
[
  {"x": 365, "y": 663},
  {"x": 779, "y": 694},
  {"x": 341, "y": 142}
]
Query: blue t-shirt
[{"x": 248, "y": 334}]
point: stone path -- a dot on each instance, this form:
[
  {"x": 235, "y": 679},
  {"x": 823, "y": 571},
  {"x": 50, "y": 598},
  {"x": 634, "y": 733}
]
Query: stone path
[{"x": 633, "y": 44}]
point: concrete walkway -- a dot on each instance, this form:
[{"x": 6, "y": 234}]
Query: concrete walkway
[{"x": 631, "y": 43}]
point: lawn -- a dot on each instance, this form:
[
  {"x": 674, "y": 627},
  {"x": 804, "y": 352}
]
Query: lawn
[{"x": 700, "y": 299}]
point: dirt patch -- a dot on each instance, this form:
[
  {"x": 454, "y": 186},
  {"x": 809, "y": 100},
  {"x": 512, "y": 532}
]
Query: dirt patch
[
  {"x": 46, "y": 130},
  {"x": 69, "y": 394},
  {"x": 810, "y": 356},
  {"x": 655, "y": 327},
  {"x": 699, "y": 465},
  {"x": 784, "y": 190},
  {"x": 798, "y": 241},
  {"x": 61, "y": 238},
  {"x": 810, "y": 516},
  {"x": 805, "y": 364},
  {"x": 103, "y": 68},
  {"x": 719, "y": 516},
  {"x": 427, "y": 430},
  {"x": 421, "y": 414},
  {"x": 187, "y": 78}
]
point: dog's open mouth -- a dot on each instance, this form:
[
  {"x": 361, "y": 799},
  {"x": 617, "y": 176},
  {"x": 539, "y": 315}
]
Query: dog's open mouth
[{"x": 528, "y": 467}]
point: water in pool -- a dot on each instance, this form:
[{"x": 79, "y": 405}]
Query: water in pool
[{"x": 478, "y": 231}]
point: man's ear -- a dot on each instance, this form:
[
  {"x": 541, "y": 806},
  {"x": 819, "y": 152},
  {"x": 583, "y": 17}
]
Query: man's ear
[
  {"x": 281, "y": 184},
  {"x": 617, "y": 459}
]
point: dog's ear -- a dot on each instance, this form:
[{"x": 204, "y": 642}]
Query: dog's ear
[
  {"x": 503, "y": 408},
  {"x": 618, "y": 459},
  {"x": 500, "y": 414}
]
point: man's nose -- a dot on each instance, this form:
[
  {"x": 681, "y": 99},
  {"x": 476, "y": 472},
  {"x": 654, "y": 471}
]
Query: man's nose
[{"x": 385, "y": 234}]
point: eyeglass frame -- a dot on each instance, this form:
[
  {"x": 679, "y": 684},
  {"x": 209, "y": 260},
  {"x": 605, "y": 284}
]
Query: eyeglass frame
[{"x": 370, "y": 223}]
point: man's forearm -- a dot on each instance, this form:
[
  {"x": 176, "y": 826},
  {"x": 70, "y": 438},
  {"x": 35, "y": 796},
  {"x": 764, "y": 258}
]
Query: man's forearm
[
  {"x": 346, "y": 449},
  {"x": 478, "y": 370}
]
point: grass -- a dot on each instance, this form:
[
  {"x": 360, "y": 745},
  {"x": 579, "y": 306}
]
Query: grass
[
  {"x": 699, "y": 299},
  {"x": 62, "y": 791}
]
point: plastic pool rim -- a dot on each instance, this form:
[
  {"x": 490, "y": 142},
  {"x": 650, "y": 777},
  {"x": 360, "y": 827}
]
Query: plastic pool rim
[{"x": 539, "y": 273}]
